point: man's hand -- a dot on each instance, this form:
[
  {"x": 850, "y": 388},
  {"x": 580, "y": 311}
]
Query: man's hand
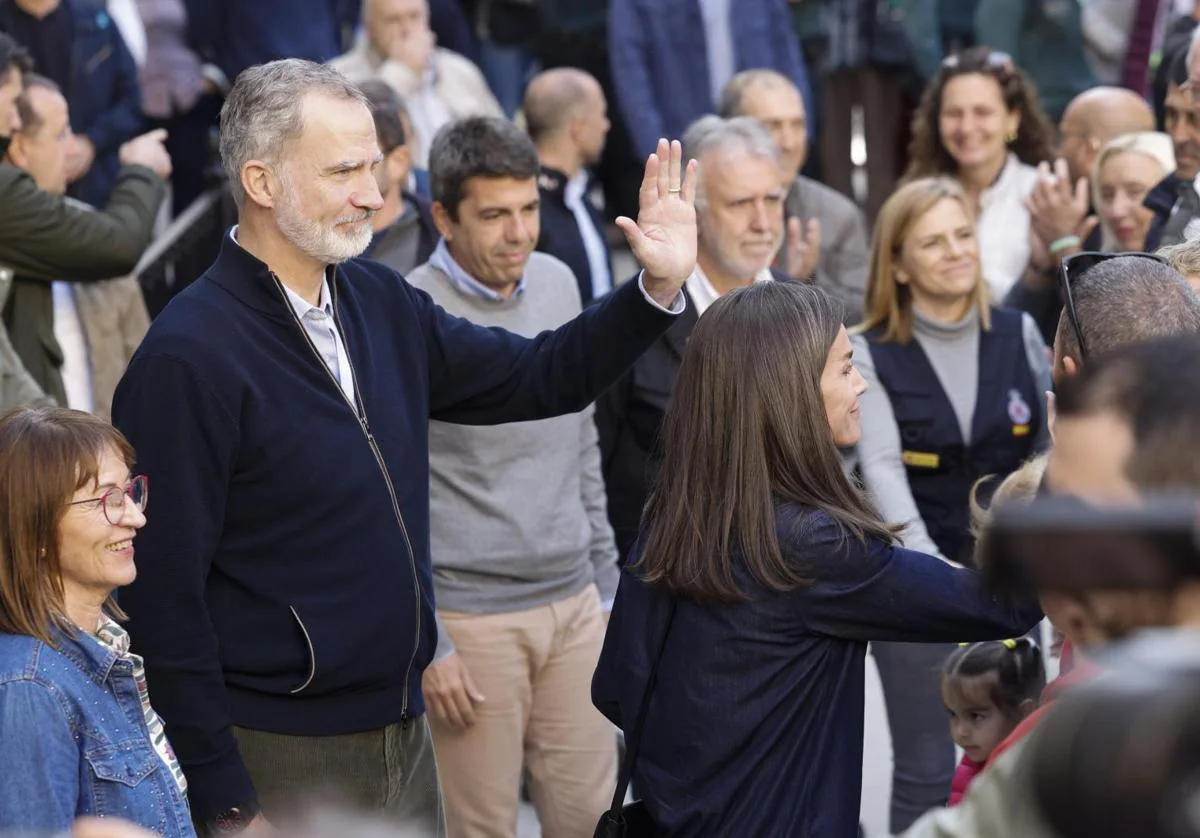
[
  {"x": 664, "y": 237},
  {"x": 80, "y": 156},
  {"x": 414, "y": 50},
  {"x": 1057, "y": 208},
  {"x": 803, "y": 248},
  {"x": 148, "y": 150},
  {"x": 450, "y": 694}
]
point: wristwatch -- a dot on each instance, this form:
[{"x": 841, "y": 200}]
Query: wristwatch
[{"x": 235, "y": 819}]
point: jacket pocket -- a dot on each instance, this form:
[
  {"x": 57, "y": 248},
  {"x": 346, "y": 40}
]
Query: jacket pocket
[
  {"x": 123, "y": 783},
  {"x": 312, "y": 654},
  {"x": 119, "y": 765}
]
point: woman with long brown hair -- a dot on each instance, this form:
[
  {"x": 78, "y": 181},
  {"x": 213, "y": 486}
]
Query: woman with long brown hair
[
  {"x": 767, "y": 572},
  {"x": 980, "y": 123}
]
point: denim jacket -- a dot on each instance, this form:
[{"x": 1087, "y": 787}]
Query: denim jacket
[{"x": 74, "y": 741}]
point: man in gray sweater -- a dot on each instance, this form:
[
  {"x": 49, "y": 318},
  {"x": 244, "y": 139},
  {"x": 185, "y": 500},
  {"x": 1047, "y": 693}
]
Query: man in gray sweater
[{"x": 525, "y": 565}]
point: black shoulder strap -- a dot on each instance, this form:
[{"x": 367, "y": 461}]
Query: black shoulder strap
[{"x": 633, "y": 742}]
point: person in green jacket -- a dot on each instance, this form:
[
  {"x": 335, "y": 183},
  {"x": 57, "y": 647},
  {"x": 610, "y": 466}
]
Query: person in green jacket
[{"x": 44, "y": 237}]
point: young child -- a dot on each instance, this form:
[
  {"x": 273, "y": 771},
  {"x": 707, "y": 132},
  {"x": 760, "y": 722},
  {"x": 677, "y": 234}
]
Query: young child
[{"x": 988, "y": 689}]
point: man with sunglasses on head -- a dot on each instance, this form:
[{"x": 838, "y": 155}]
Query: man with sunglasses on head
[{"x": 1129, "y": 427}]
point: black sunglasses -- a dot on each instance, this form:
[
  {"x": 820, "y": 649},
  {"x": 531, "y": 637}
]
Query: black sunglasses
[{"x": 1077, "y": 265}]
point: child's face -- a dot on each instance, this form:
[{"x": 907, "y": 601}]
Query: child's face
[{"x": 977, "y": 725}]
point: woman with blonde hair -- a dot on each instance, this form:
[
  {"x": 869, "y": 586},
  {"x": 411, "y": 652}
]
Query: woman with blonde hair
[
  {"x": 956, "y": 394},
  {"x": 980, "y": 123},
  {"x": 1127, "y": 169}
]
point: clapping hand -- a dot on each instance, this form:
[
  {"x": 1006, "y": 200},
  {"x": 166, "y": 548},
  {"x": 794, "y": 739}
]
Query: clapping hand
[
  {"x": 803, "y": 248},
  {"x": 1058, "y": 208},
  {"x": 663, "y": 238}
]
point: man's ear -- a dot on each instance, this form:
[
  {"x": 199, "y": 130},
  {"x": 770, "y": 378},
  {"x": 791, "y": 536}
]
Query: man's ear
[
  {"x": 261, "y": 183},
  {"x": 399, "y": 165},
  {"x": 17, "y": 154},
  {"x": 1069, "y": 366},
  {"x": 443, "y": 221}
]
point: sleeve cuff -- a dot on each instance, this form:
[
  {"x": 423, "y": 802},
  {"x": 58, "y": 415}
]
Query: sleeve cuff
[{"x": 677, "y": 307}]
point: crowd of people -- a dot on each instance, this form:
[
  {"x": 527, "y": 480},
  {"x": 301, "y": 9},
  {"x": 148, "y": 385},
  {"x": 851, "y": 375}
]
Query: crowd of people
[{"x": 453, "y": 507}]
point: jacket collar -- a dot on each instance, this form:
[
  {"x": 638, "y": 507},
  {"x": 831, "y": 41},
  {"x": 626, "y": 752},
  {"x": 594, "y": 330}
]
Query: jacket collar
[
  {"x": 1163, "y": 196},
  {"x": 88, "y": 653},
  {"x": 250, "y": 280}
]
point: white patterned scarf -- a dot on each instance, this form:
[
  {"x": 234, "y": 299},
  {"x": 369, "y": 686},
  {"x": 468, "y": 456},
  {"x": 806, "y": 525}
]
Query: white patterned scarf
[{"x": 117, "y": 639}]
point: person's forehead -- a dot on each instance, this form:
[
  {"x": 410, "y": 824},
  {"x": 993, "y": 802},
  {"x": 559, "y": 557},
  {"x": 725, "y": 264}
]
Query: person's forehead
[
  {"x": 329, "y": 124},
  {"x": 772, "y": 96},
  {"x": 497, "y": 191},
  {"x": 46, "y": 102},
  {"x": 732, "y": 170}
]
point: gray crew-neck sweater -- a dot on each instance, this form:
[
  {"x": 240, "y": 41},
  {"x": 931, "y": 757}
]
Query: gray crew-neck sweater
[
  {"x": 518, "y": 513},
  {"x": 953, "y": 352}
]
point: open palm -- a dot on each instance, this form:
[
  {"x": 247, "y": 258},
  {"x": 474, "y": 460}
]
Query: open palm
[{"x": 663, "y": 238}]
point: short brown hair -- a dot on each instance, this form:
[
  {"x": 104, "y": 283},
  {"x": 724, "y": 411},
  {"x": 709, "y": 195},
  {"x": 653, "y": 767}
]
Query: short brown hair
[
  {"x": 46, "y": 455},
  {"x": 889, "y": 304}
]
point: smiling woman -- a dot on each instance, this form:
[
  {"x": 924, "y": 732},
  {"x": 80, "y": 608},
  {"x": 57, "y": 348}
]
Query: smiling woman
[
  {"x": 75, "y": 719},
  {"x": 956, "y": 396},
  {"x": 761, "y": 574},
  {"x": 979, "y": 122}
]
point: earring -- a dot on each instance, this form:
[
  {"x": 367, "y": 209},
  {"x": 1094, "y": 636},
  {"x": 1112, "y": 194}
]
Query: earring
[{"x": 1011, "y": 137}]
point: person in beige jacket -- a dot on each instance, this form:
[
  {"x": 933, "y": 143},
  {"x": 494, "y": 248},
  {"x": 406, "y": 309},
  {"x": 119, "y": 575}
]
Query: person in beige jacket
[{"x": 438, "y": 86}]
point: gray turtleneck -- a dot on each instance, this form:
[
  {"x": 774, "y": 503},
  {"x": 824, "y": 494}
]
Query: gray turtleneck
[{"x": 953, "y": 352}]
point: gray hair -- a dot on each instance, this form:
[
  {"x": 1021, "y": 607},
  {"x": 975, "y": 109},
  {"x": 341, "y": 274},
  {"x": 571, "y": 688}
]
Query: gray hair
[
  {"x": 1183, "y": 257},
  {"x": 1127, "y": 300},
  {"x": 729, "y": 104},
  {"x": 263, "y": 112},
  {"x": 741, "y": 135}
]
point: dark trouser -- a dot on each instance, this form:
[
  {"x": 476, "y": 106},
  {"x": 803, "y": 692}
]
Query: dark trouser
[
  {"x": 922, "y": 750},
  {"x": 886, "y": 112},
  {"x": 189, "y": 142},
  {"x": 390, "y": 772}
]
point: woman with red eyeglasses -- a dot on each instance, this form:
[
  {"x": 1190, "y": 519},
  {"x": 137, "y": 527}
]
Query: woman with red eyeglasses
[{"x": 77, "y": 733}]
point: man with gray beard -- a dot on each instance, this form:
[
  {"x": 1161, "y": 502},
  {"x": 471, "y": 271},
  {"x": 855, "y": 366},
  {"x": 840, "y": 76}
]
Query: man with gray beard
[{"x": 281, "y": 406}]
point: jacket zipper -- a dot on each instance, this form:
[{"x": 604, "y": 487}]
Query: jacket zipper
[{"x": 360, "y": 413}]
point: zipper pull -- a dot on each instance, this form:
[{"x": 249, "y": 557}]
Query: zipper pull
[{"x": 404, "y": 720}]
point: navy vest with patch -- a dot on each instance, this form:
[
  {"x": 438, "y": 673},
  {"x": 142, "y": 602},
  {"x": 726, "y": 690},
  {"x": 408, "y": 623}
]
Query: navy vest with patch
[{"x": 942, "y": 469}]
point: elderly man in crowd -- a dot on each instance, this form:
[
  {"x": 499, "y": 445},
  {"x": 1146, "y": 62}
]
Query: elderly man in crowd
[
  {"x": 438, "y": 85},
  {"x": 281, "y": 406},
  {"x": 566, "y": 116},
  {"x": 74, "y": 337},
  {"x": 831, "y": 249},
  {"x": 524, "y": 564},
  {"x": 739, "y": 209}
]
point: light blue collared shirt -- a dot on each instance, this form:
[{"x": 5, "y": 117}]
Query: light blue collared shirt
[
  {"x": 463, "y": 281},
  {"x": 321, "y": 328},
  {"x": 467, "y": 284}
]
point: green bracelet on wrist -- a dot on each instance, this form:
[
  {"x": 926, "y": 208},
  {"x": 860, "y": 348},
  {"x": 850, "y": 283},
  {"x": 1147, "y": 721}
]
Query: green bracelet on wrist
[{"x": 1065, "y": 243}]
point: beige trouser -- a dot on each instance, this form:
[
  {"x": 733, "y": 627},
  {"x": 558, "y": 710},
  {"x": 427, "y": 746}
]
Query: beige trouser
[{"x": 534, "y": 669}]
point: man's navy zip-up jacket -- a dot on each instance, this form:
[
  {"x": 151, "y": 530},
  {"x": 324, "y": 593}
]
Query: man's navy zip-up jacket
[{"x": 284, "y": 578}]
